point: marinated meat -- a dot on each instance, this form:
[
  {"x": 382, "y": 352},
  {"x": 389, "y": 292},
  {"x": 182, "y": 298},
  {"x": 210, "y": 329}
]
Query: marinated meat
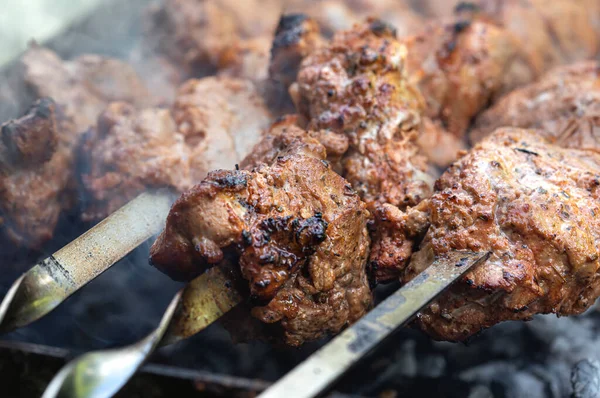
[
  {"x": 35, "y": 173},
  {"x": 129, "y": 152},
  {"x": 83, "y": 86},
  {"x": 461, "y": 65},
  {"x": 31, "y": 140},
  {"x": 203, "y": 36},
  {"x": 358, "y": 99},
  {"x": 337, "y": 15},
  {"x": 535, "y": 206},
  {"x": 299, "y": 229},
  {"x": 213, "y": 124},
  {"x": 565, "y": 103},
  {"x": 551, "y": 32},
  {"x": 296, "y": 37},
  {"x": 40, "y": 147},
  {"x": 355, "y": 93}
]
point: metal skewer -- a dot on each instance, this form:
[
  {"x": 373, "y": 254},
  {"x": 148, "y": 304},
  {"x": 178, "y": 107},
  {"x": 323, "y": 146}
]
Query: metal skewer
[
  {"x": 321, "y": 369},
  {"x": 51, "y": 281},
  {"x": 102, "y": 373}
]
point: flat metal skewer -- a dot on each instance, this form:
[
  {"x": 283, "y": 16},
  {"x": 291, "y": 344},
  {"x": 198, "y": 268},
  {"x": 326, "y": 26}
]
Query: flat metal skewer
[
  {"x": 324, "y": 367},
  {"x": 101, "y": 374},
  {"x": 53, "y": 280}
]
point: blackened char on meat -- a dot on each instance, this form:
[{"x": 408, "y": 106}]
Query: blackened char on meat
[{"x": 299, "y": 229}]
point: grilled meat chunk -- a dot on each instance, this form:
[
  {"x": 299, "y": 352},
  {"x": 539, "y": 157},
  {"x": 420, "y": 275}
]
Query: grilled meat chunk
[
  {"x": 35, "y": 164},
  {"x": 336, "y": 15},
  {"x": 356, "y": 95},
  {"x": 83, "y": 86},
  {"x": 213, "y": 124},
  {"x": 535, "y": 206},
  {"x": 551, "y": 32},
  {"x": 38, "y": 150},
  {"x": 461, "y": 65},
  {"x": 31, "y": 140},
  {"x": 564, "y": 103},
  {"x": 358, "y": 99},
  {"x": 205, "y": 36},
  {"x": 299, "y": 229},
  {"x": 296, "y": 37}
]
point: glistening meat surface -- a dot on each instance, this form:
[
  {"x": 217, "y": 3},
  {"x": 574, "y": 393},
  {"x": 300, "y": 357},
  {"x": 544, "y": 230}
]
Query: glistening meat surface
[
  {"x": 298, "y": 228},
  {"x": 536, "y": 207}
]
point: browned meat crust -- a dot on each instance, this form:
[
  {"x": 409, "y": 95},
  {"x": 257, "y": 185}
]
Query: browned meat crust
[
  {"x": 296, "y": 37},
  {"x": 213, "y": 124},
  {"x": 299, "y": 229},
  {"x": 461, "y": 65},
  {"x": 35, "y": 172},
  {"x": 337, "y": 15},
  {"x": 31, "y": 140},
  {"x": 356, "y": 90},
  {"x": 41, "y": 146},
  {"x": 357, "y": 97},
  {"x": 551, "y": 32},
  {"x": 83, "y": 86},
  {"x": 535, "y": 206},
  {"x": 228, "y": 35},
  {"x": 565, "y": 103}
]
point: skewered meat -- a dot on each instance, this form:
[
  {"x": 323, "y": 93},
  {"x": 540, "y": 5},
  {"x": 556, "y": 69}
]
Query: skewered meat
[
  {"x": 355, "y": 94},
  {"x": 299, "y": 229},
  {"x": 210, "y": 35},
  {"x": 565, "y": 103},
  {"x": 83, "y": 86},
  {"x": 37, "y": 181},
  {"x": 213, "y": 124},
  {"x": 551, "y": 32},
  {"x": 31, "y": 140},
  {"x": 337, "y": 15},
  {"x": 295, "y": 38},
  {"x": 461, "y": 65},
  {"x": 535, "y": 206},
  {"x": 358, "y": 100},
  {"x": 34, "y": 174}
]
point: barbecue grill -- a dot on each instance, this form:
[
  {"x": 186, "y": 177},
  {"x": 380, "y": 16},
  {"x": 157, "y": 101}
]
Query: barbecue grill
[{"x": 546, "y": 357}]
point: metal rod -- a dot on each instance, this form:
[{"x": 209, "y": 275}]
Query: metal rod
[
  {"x": 53, "y": 280},
  {"x": 101, "y": 374},
  {"x": 321, "y": 369}
]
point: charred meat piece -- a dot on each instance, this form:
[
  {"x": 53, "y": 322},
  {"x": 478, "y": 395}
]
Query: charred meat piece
[
  {"x": 83, "y": 86},
  {"x": 299, "y": 229},
  {"x": 38, "y": 150},
  {"x": 551, "y": 32},
  {"x": 336, "y": 15},
  {"x": 204, "y": 36},
  {"x": 213, "y": 124},
  {"x": 565, "y": 103},
  {"x": 535, "y": 206},
  {"x": 35, "y": 173},
  {"x": 31, "y": 140},
  {"x": 356, "y": 96},
  {"x": 295, "y": 38},
  {"x": 129, "y": 152},
  {"x": 461, "y": 64},
  {"x": 358, "y": 99}
]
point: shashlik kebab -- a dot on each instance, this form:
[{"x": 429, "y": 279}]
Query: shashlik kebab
[
  {"x": 376, "y": 57},
  {"x": 449, "y": 57}
]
